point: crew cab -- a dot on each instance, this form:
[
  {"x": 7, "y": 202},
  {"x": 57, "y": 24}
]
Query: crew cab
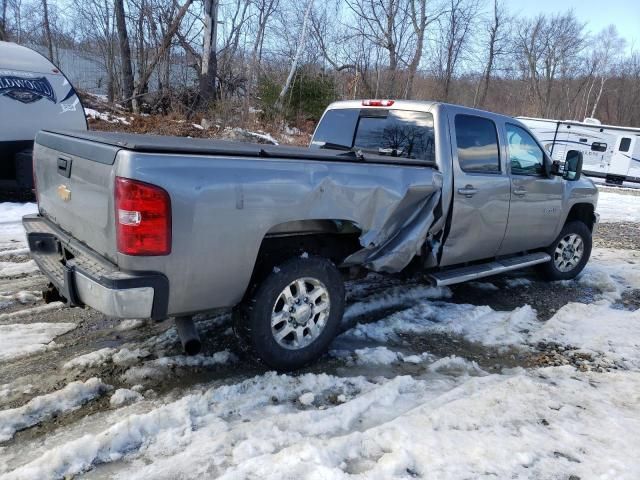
[{"x": 140, "y": 226}]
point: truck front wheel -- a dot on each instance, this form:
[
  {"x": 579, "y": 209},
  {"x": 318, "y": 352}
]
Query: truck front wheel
[
  {"x": 570, "y": 252},
  {"x": 294, "y": 314}
]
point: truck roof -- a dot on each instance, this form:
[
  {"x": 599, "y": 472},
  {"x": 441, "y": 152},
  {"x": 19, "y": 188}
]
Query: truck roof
[
  {"x": 17, "y": 57},
  {"x": 415, "y": 105}
]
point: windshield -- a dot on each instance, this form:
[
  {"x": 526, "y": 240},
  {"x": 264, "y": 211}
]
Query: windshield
[{"x": 394, "y": 133}]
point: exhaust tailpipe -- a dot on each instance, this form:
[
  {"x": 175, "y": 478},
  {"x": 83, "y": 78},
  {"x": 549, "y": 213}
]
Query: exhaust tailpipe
[{"x": 188, "y": 335}]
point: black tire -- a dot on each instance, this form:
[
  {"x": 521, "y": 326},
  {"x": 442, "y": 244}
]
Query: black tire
[
  {"x": 550, "y": 269},
  {"x": 252, "y": 319}
]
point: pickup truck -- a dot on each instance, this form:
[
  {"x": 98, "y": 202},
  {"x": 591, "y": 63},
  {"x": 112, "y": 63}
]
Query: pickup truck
[{"x": 140, "y": 226}]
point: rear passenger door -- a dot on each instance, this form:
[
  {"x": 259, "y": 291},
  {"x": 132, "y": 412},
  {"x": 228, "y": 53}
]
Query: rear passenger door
[
  {"x": 481, "y": 191},
  {"x": 536, "y": 200}
]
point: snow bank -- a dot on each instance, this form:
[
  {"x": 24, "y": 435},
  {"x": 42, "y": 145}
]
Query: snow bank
[
  {"x": 39, "y": 409},
  {"x": 29, "y": 312},
  {"x": 105, "y": 116},
  {"x": 90, "y": 360},
  {"x": 617, "y": 207},
  {"x": 476, "y": 324},
  {"x": 612, "y": 272},
  {"x": 161, "y": 367},
  {"x": 12, "y": 269},
  {"x": 598, "y": 329},
  {"x": 19, "y": 340},
  {"x": 376, "y": 356},
  {"x": 393, "y": 297},
  {"x": 11, "y": 230},
  {"x": 124, "y": 396}
]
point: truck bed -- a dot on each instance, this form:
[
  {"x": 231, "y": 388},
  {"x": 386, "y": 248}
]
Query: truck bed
[{"x": 226, "y": 198}]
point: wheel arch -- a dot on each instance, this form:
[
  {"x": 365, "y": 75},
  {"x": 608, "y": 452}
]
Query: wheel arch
[{"x": 583, "y": 212}]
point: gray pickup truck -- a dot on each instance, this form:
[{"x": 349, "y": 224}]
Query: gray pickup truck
[{"x": 154, "y": 227}]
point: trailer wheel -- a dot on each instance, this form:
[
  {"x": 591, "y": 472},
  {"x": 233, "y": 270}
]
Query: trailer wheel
[
  {"x": 570, "y": 252},
  {"x": 293, "y": 315}
]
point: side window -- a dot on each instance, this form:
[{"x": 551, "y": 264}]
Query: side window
[
  {"x": 477, "y": 141},
  {"x": 525, "y": 156},
  {"x": 625, "y": 143}
]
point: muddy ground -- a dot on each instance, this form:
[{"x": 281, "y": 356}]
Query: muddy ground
[{"x": 42, "y": 373}]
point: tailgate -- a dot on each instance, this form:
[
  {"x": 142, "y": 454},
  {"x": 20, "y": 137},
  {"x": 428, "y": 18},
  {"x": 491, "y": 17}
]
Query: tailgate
[{"x": 75, "y": 180}]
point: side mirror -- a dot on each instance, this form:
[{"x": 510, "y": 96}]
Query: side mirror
[
  {"x": 556, "y": 168},
  {"x": 573, "y": 166}
]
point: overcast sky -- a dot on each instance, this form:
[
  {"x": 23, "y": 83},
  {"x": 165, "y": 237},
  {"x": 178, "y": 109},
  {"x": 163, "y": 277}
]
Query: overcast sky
[{"x": 624, "y": 14}]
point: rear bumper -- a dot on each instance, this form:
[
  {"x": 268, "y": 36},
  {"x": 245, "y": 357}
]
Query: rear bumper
[{"x": 83, "y": 277}]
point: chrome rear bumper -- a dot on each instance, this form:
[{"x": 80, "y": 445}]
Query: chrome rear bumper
[{"x": 83, "y": 277}]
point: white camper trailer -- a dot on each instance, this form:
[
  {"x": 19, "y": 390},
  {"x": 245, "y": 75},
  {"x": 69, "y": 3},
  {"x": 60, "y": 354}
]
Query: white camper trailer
[
  {"x": 609, "y": 152},
  {"x": 34, "y": 95}
]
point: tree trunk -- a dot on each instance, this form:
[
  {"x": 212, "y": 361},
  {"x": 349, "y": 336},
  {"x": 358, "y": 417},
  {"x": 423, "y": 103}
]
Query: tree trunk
[
  {"x": 294, "y": 65},
  {"x": 209, "y": 69},
  {"x": 125, "y": 55},
  {"x": 47, "y": 28},
  {"x": 3, "y": 22}
]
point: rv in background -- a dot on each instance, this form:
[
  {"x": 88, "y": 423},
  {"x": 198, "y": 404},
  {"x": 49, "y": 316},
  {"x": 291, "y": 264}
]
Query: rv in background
[
  {"x": 34, "y": 95},
  {"x": 609, "y": 152}
]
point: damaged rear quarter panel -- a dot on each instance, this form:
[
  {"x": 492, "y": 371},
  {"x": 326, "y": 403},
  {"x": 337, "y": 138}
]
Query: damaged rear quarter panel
[{"x": 222, "y": 207}]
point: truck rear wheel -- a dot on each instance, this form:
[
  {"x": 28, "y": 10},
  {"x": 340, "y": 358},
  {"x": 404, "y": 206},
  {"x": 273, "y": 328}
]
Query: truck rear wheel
[
  {"x": 294, "y": 314},
  {"x": 570, "y": 252}
]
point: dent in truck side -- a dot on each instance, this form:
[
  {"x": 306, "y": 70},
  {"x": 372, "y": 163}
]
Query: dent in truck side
[{"x": 223, "y": 207}]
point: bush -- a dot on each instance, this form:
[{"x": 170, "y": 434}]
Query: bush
[{"x": 309, "y": 95}]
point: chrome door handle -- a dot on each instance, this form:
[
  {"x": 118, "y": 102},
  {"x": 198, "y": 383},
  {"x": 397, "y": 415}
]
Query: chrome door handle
[
  {"x": 521, "y": 192},
  {"x": 468, "y": 191}
]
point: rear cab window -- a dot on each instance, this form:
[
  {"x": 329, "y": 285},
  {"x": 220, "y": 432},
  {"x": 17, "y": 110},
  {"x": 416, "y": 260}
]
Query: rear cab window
[
  {"x": 401, "y": 134},
  {"x": 477, "y": 144}
]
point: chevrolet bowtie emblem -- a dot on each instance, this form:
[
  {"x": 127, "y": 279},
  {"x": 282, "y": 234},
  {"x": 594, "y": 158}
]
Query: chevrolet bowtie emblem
[{"x": 64, "y": 193}]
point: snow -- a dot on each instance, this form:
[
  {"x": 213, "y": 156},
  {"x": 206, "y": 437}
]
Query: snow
[
  {"x": 29, "y": 312},
  {"x": 130, "y": 324},
  {"x": 612, "y": 272},
  {"x": 38, "y": 409},
  {"x": 306, "y": 398},
  {"x": 11, "y": 230},
  {"x": 596, "y": 328},
  {"x": 18, "y": 340},
  {"x": 618, "y": 207},
  {"x": 376, "y": 356},
  {"x": 90, "y": 360},
  {"x": 164, "y": 366},
  {"x": 105, "y": 116},
  {"x": 124, "y": 396},
  {"x": 11, "y": 269},
  {"x": 480, "y": 324}
]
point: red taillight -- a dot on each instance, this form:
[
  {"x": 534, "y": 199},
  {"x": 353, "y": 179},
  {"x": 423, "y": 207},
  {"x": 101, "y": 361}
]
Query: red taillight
[
  {"x": 377, "y": 103},
  {"x": 143, "y": 218}
]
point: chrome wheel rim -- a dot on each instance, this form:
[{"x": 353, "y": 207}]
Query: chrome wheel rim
[
  {"x": 568, "y": 252},
  {"x": 300, "y": 313}
]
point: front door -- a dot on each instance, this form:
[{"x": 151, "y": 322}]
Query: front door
[
  {"x": 481, "y": 191},
  {"x": 536, "y": 200},
  {"x": 621, "y": 157}
]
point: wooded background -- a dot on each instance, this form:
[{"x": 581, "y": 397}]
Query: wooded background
[{"x": 288, "y": 59}]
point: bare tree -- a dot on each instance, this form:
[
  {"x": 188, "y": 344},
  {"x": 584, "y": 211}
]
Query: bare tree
[
  {"x": 209, "y": 63},
  {"x": 3, "y": 21},
  {"x": 497, "y": 45},
  {"x": 607, "y": 50},
  {"x": 265, "y": 9},
  {"x": 125, "y": 53},
  {"x": 420, "y": 19},
  {"x": 454, "y": 38},
  {"x": 47, "y": 28},
  {"x": 548, "y": 46},
  {"x": 302, "y": 39}
]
